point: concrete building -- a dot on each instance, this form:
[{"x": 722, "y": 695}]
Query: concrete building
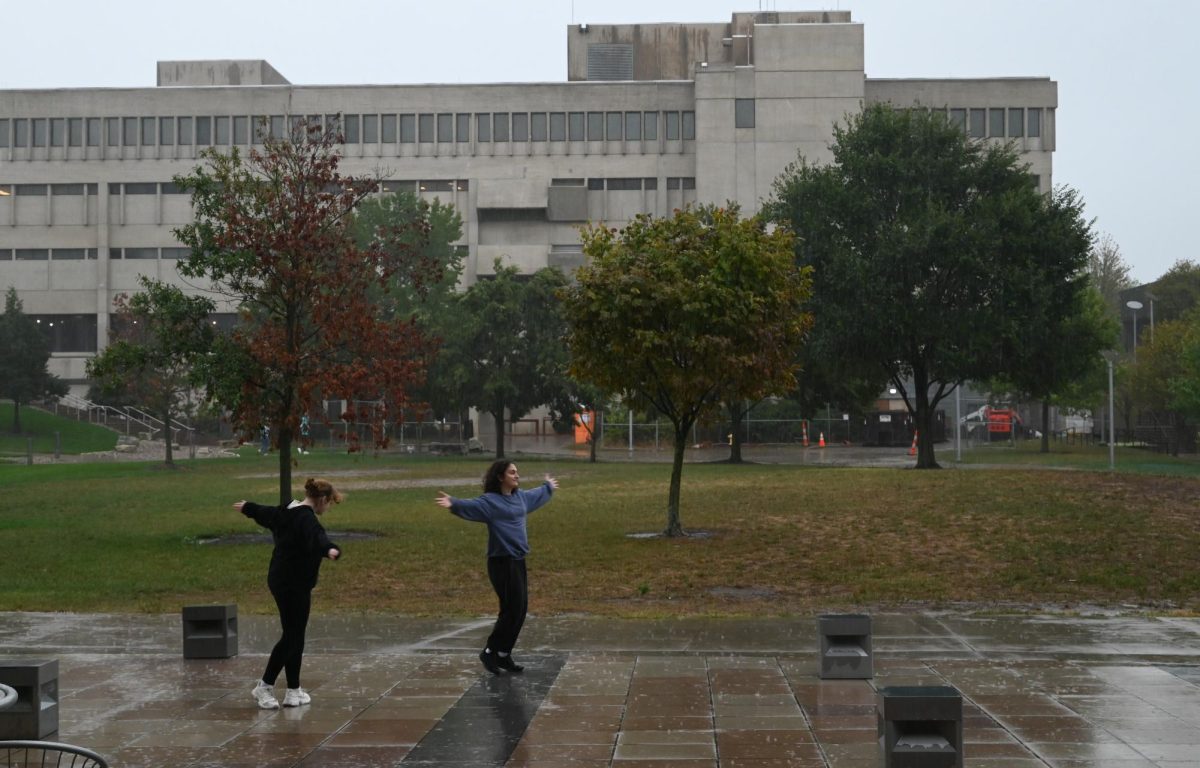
[{"x": 650, "y": 118}]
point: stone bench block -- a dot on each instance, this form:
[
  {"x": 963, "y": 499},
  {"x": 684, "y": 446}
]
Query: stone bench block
[
  {"x": 210, "y": 631},
  {"x": 34, "y": 715},
  {"x": 845, "y": 646},
  {"x": 920, "y": 726}
]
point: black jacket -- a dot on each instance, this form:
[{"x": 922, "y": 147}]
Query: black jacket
[{"x": 300, "y": 544}]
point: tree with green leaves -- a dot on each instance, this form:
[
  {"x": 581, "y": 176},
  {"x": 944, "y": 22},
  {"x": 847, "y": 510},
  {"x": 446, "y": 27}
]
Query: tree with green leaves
[
  {"x": 274, "y": 234},
  {"x": 23, "y": 372},
  {"x": 918, "y": 238},
  {"x": 1176, "y": 294},
  {"x": 1109, "y": 272},
  {"x": 504, "y": 352},
  {"x": 685, "y": 312},
  {"x": 157, "y": 340},
  {"x": 1163, "y": 377}
]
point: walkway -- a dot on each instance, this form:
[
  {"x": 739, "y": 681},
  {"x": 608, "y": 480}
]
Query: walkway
[{"x": 1039, "y": 691}]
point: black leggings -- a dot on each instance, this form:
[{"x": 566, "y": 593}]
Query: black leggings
[
  {"x": 294, "y": 607},
  {"x": 508, "y": 579}
]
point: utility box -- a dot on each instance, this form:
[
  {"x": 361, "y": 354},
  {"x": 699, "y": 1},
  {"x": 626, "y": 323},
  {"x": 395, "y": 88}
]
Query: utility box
[
  {"x": 34, "y": 715},
  {"x": 845, "y": 646},
  {"x": 210, "y": 631},
  {"x": 920, "y": 726}
]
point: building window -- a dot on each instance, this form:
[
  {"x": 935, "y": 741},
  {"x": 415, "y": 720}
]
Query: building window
[
  {"x": 558, "y": 126},
  {"x": 204, "y": 134},
  {"x": 483, "y": 126},
  {"x": 176, "y": 254},
  {"x": 93, "y": 131},
  {"x": 685, "y": 182},
  {"x": 612, "y": 126},
  {"x": 978, "y": 128},
  {"x": 408, "y": 129},
  {"x": 595, "y": 184},
  {"x": 4, "y": 133},
  {"x": 275, "y": 128},
  {"x": 435, "y": 185},
  {"x": 672, "y": 126},
  {"x": 67, "y": 254},
  {"x": 462, "y": 127},
  {"x": 141, "y": 253},
  {"x": 633, "y": 126},
  {"x": 425, "y": 128},
  {"x": 166, "y": 131},
  {"x": 75, "y": 132},
  {"x": 148, "y": 133},
  {"x": 400, "y": 186},
  {"x": 171, "y": 188},
  {"x": 353, "y": 133},
  {"x": 689, "y": 127},
  {"x": 500, "y": 126},
  {"x": 575, "y": 126},
  {"x": 370, "y": 129},
  {"x": 32, "y": 254},
  {"x": 595, "y": 126},
  {"x": 39, "y": 132},
  {"x": 624, "y": 185},
  {"x": 387, "y": 129},
  {"x": 185, "y": 131},
  {"x": 142, "y": 188},
  {"x": 520, "y": 126},
  {"x": 30, "y": 190},
  {"x": 1035, "y": 123},
  {"x": 958, "y": 118},
  {"x": 68, "y": 333},
  {"x": 20, "y": 132},
  {"x": 743, "y": 113},
  {"x": 996, "y": 123},
  {"x": 650, "y": 183},
  {"x": 66, "y": 189},
  {"x": 537, "y": 126},
  {"x": 1016, "y": 122},
  {"x": 650, "y": 126},
  {"x": 222, "y": 131},
  {"x": 445, "y": 127},
  {"x": 58, "y": 131}
]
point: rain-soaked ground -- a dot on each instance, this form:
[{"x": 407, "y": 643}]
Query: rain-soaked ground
[{"x": 1108, "y": 692}]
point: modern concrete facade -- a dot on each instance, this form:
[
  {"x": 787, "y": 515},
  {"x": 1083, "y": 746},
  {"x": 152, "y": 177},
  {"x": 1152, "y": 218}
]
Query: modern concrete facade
[{"x": 651, "y": 117}]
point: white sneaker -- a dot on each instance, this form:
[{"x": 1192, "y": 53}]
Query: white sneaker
[
  {"x": 296, "y": 697},
  {"x": 265, "y": 697}
]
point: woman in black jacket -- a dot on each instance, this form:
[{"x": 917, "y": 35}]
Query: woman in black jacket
[{"x": 300, "y": 545}]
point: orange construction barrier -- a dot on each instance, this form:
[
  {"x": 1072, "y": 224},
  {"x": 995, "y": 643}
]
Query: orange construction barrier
[
  {"x": 821, "y": 443},
  {"x": 804, "y": 432},
  {"x": 912, "y": 451}
]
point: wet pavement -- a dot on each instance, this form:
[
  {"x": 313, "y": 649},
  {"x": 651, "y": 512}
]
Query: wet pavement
[{"x": 1109, "y": 692}]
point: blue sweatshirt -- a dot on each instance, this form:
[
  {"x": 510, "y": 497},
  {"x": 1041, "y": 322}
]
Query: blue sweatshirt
[{"x": 505, "y": 517}]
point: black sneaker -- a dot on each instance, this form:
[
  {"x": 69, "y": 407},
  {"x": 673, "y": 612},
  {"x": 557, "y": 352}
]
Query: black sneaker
[
  {"x": 490, "y": 663},
  {"x": 507, "y": 663}
]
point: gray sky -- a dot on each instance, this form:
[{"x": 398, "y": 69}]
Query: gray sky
[{"x": 1117, "y": 64}]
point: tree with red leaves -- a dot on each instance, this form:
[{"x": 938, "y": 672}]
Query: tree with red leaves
[{"x": 273, "y": 234}]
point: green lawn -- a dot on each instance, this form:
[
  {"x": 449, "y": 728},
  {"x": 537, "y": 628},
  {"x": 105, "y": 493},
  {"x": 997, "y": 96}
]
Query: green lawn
[
  {"x": 1027, "y": 453},
  {"x": 780, "y": 539},
  {"x": 75, "y": 436}
]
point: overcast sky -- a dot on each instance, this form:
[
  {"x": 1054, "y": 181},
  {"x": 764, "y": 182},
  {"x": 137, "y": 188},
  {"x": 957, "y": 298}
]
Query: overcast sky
[{"x": 1125, "y": 70}]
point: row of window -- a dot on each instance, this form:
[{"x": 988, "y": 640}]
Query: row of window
[
  {"x": 78, "y": 254},
  {"x": 998, "y": 122},
  {"x": 68, "y": 333},
  {"x": 413, "y": 186},
  {"x": 426, "y": 127}
]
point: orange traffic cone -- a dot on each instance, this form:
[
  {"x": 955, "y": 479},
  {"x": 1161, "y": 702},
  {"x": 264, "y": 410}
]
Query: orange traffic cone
[
  {"x": 804, "y": 433},
  {"x": 912, "y": 451},
  {"x": 821, "y": 442}
]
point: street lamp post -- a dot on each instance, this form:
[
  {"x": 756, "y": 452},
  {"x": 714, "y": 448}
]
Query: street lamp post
[
  {"x": 1109, "y": 357},
  {"x": 1135, "y": 306}
]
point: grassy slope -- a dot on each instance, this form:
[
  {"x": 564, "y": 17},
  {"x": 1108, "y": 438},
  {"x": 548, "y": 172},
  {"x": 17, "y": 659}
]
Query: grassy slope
[{"x": 76, "y": 436}]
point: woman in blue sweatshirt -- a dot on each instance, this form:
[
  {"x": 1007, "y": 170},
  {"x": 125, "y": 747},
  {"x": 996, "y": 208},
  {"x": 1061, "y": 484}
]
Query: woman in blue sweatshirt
[
  {"x": 503, "y": 507},
  {"x": 300, "y": 545}
]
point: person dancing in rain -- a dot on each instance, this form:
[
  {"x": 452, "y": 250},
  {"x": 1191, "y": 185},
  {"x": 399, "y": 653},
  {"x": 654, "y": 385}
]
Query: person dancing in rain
[
  {"x": 300, "y": 546},
  {"x": 503, "y": 507}
]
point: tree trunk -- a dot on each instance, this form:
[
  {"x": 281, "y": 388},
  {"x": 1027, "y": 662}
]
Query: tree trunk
[
  {"x": 498, "y": 415},
  {"x": 1045, "y": 426},
  {"x": 166, "y": 417},
  {"x": 924, "y": 422},
  {"x": 285, "y": 464},
  {"x": 674, "y": 528},
  {"x": 593, "y": 434},
  {"x": 736, "y": 414}
]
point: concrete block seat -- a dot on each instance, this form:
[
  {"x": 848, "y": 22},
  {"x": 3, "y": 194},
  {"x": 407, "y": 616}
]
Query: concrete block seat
[
  {"x": 210, "y": 631},
  {"x": 920, "y": 726},
  {"x": 845, "y": 646},
  {"x": 34, "y": 712}
]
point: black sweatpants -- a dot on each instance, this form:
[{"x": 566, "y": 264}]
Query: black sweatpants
[
  {"x": 508, "y": 579},
  {"x": 294, "y": 607}
]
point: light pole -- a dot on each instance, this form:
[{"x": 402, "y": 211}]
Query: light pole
[
  {"x": 1151, "y": 297},
  {"x": 1135, "y": 306},
  {"x": 1109, "y": 357}
]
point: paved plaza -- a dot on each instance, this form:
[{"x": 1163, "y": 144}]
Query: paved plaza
[{"x": 1108, "y": 691}]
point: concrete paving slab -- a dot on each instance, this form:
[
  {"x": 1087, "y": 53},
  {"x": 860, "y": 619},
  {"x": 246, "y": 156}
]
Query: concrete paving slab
[{"x": 393, "y": 691}]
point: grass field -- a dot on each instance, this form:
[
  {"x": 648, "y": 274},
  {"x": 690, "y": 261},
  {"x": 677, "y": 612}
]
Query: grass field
[
  {"x": 777, "y": 539},
  {"x": 75, "y": 436}
]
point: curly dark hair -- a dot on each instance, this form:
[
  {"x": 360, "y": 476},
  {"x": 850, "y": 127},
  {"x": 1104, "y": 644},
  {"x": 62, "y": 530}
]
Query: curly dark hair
[{"x": 494, "y": 474}]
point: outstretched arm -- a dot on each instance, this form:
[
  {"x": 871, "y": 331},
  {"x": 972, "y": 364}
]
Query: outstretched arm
[
  {"x": 443, "y": 500},
  {"x": 550, "y": 481}
]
